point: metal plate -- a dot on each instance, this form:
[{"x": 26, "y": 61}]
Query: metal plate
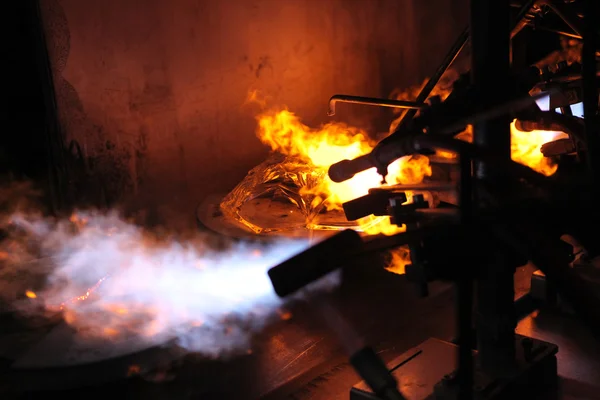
[
  {"x": 64, "y": 360},
  {"x": 424, "y": 370},
  {"x": 63, "y": 347}
]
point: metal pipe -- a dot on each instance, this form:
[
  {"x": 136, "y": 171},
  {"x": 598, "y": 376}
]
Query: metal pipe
[
  {"x": 559, "y": 32},
  {"x": 433, "y": 186},
  {"x": 490, "y": 74},
  {"x": 464, "y": 288},
  {"x": 372, "y": 101},
  {"x": 590, "y": 91}
]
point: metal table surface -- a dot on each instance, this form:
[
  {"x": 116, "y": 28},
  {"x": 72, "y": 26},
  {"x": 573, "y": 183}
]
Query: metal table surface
[
  {"x": 300, "y": 359},
  {"x": 285, "y": 356},
  {"x": 578, "y": 356}
]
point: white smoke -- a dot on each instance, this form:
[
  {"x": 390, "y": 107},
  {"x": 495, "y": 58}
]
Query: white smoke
[{"x": 109, "y": 279}]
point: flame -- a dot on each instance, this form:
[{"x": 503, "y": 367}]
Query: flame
[
  {"x": 400, "y": 258},
  {"x": 442, "y": 89},
  {"x": 526, "y": 147},
  {"x": 284, "y": 132}
]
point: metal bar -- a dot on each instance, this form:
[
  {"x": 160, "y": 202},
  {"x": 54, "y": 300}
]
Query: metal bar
[
  {"x": 490, "y": 72},
  {"x": 464, "y": 289},
  {"x": 559, "y": 32},
  {"x": 433, "y": 186},
  {"x": 372, "y": 101},
  {"x": 590, "y": 91}
]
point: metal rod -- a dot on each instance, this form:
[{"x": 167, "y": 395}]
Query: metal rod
[
  {"x": 372, "y": 101},
  {"x": 433, "y": 186},
  {"x": 590, "y": 91},
  {"x": 490, "y": 72},
  {"x": 559, "y": 32},
  {"x": 464, "y": 289},
  {"x": 453, "y": 53}
]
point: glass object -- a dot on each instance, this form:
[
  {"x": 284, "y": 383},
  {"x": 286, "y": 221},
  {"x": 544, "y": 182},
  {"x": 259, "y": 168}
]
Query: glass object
[{"x": 272, "y": 199}]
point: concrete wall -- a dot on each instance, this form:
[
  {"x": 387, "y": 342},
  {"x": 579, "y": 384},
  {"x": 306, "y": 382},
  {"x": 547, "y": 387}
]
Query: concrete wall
[{"x": 154, "y": 90}]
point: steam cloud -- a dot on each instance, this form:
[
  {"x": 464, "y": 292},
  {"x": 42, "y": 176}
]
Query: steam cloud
[{"x": 109, "y": 278}]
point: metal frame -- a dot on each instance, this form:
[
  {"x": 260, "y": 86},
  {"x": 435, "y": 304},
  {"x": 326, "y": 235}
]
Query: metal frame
[{"x": 485, "y": 163}]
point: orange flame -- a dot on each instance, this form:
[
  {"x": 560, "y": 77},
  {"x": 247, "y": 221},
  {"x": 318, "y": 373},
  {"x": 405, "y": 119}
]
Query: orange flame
[
  {"x": 525, "y": 147},
  {"x": 284, "y": 132},
  {"x": 400, "y": 258}
]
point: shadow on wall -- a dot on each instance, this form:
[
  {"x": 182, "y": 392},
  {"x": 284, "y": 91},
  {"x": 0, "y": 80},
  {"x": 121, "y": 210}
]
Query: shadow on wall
[
  {"x": 153, "y": 91},
  {"x": 107, "y": 163}
]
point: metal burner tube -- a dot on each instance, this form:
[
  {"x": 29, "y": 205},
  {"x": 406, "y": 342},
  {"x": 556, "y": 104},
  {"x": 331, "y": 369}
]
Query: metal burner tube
[{"x": 372, "y": 101}]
